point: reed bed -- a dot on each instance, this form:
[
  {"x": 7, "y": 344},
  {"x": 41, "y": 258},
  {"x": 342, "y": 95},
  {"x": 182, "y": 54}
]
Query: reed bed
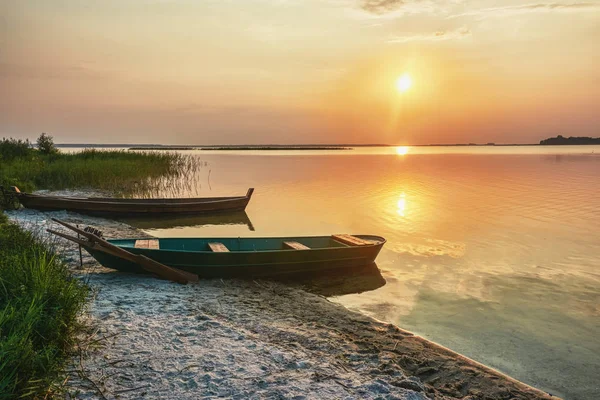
[
  {"x": 39, "y": 305},
  {"x": 121, "y": 173}
]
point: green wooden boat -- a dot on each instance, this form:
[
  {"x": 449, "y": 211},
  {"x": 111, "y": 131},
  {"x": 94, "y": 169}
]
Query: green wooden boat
[{"x": 247, "y": 257}]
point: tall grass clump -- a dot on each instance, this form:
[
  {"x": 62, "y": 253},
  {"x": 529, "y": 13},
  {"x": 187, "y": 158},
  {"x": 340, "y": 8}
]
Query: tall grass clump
[
  {"x": 122, "y": 173},
  {"x": 13, "y": 148},
  {"x": 39, "y": 305}
]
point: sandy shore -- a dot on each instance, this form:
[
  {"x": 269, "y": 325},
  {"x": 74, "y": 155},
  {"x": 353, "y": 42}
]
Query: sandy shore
[{"x": 249, "y": 339}]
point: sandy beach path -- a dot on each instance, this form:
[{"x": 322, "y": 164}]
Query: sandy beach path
[{"x": 249, "y": 339}]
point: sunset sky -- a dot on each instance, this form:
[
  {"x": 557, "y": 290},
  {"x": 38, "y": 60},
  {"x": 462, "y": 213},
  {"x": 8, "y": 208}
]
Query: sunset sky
[{"x": 299, "y": 71}]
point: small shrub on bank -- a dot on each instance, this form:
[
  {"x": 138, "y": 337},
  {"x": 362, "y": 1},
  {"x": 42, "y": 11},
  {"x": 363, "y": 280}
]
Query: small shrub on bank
[
  {"x": 39, "y": 305},
  {"x": 45, "y": 144}
]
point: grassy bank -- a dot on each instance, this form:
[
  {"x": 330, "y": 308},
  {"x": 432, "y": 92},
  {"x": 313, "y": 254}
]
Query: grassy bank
[
  {"x": 122, "y": 173},
  {"x": 39, "y": 299},
  {"x": 39, "y": 305}
]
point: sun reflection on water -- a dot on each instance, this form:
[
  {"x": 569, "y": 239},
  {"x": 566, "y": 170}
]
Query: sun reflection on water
[
  {"x": 402, "y": 150},
  {"x": 402, "y": 204}
]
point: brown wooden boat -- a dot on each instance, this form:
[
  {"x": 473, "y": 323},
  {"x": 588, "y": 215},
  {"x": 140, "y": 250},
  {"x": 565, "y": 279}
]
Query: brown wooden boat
[{"x": 133, "y": 207}]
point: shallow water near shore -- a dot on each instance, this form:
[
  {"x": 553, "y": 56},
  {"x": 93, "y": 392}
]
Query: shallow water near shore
[{"x": 492, "y": 252}]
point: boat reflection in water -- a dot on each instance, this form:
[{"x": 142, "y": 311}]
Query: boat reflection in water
[
  {"x": 337, "y": 282},
  {"x": 168, "y": 222}
]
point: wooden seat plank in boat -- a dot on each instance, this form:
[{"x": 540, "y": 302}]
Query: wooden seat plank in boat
[
  {"x": 295, "y": 246},
  {"x": 147, "y": 244},
  {"x": 351, "y": 240},
  {"x": 218, "y": 247}
]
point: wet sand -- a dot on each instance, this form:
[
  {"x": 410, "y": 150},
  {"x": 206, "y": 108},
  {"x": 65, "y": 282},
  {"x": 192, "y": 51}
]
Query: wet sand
[{"x": 249, "y": 339}]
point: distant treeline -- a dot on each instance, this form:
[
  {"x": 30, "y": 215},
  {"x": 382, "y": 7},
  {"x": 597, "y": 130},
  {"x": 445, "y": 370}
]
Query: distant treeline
[
  {"x": 570, "y": 140},
  {"x": 276, "y": 148},
  {"x": 154, "y": 146},
  {"x": 163, "y": 148},
  {"x": 245, "y": 148}
]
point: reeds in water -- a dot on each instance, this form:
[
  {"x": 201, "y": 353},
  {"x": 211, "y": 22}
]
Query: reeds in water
[{"x": 122, "y": 173}]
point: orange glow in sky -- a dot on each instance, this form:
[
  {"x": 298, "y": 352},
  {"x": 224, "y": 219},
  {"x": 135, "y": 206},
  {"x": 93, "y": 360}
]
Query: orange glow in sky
[{"x": 255, "y": 72}]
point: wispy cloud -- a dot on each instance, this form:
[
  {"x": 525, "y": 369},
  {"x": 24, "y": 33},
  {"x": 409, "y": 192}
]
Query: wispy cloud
[
  {"x": 431, "y": 37},
  {"x": 381, "y": 6},
  {"x": 530, "y": 8},
  {"x": 395, "y": 8}
]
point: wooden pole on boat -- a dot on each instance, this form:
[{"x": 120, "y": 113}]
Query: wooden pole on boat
[
  {"x": 80, "y": 255},
  {"x": 148, "y": 264}
]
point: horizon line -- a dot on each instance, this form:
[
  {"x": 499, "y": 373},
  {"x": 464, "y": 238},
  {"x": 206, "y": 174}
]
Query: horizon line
[{"x": 300, "y": 146}]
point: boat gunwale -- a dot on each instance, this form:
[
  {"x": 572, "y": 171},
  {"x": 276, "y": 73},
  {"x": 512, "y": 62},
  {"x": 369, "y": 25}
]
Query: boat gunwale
[
  {"x": 380, "y": 242},
  {"x": 113, "y": 201}
]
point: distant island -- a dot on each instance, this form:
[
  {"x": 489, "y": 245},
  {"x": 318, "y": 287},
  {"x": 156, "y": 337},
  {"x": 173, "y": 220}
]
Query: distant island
[{"x": 561, "y": 140}]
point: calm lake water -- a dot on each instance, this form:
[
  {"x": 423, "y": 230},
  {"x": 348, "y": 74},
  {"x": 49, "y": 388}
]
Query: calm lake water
[{"x": 493, "y": 252}]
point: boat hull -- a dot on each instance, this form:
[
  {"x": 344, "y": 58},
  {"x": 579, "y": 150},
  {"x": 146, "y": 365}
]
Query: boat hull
[
  {"x": 135, "y": 207},
  {"x": 207, "y": 264}
]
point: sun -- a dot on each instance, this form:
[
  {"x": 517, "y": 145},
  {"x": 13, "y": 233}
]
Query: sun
[{"x": 403, "y": 83}]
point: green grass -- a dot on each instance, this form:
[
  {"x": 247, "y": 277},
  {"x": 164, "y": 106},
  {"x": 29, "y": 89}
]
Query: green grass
[
  {"x": 39, "y": 305},
  {"x": 123, "y": 173},
  {"x": 39, "y": 299}
]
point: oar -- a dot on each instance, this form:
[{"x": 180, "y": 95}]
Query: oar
[{"x": 150, "y": 265}]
